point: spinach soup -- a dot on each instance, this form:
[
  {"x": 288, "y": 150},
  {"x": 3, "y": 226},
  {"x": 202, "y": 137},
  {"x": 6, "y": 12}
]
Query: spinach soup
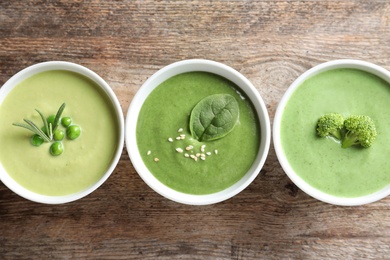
[{"x": 176, "y": 149}]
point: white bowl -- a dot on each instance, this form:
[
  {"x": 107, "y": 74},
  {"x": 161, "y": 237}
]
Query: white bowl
[
  {"x": 188, "y": 66},
  {"x": 60, "y": 65},
  {"x": 282, "y": 157}
]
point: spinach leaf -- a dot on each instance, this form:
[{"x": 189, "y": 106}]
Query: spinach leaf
[{"x": 214, "y": 117}]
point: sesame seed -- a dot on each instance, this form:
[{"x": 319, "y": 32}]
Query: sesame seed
[
  {"x": 216, "y": 151},
  {"x": 178, "y": 138},
  {"x": 197, "y": 154},
  {"x": 186, "y": 155},
  {"x": 149, "y": 152},
  {"x": 180, "y": 130},
  {"x": 203, "y": 158},
  {"x": 189, "y": 147},
  {"x": 192, "y": 156},
  {"x": 179, "y": 150},
  {"x": 156, "y": 159},
  {"x": 170, "y": 139},
  {"x": 182, "y": 137},
  {"x": 208, "y": 153}
]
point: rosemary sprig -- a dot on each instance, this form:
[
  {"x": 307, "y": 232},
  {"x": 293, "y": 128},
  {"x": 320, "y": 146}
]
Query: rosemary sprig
[
  {"x": 58, "y": 116},
  {"x": 33, "y": 128},
  {"x": 46, "y": 125},
  {"x": 49, "y": 128}
]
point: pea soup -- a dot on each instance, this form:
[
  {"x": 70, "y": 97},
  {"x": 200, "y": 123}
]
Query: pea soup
[
  {"x": 321, "y": 162},
  {"x": 182, "y": 162},
  {"x": 84, "y": 160}
]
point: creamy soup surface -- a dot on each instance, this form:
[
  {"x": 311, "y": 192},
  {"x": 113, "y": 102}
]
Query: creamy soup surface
[
  {"x": 321, "y": 162},
  {"x": 168, "y": 108},
  {"x": 84, "y": 160}
]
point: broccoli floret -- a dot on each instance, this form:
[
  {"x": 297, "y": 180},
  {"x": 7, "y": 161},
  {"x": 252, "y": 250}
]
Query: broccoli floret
[
  {"x": 359, "y": 130},
  {"x": 330, "y": 124}
]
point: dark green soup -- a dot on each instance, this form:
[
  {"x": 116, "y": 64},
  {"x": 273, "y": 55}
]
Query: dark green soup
[{"x": 181, "y": 162}]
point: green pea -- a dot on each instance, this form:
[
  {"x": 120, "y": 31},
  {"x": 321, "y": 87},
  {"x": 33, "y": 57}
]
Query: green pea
[
  {"x": 58, "y": 134},
  {"x": 73, "y": 132},
  {"x": 56, "y": 148},
  {"x": 36, "y": 140},
  {"x": 44, "y": 129},
  {"x": 66, "y": 121},
  {"x": 51, "y": 119}
]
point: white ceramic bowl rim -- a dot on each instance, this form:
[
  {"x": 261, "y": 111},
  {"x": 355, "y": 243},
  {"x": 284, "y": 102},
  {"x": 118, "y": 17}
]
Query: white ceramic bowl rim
[
  {"x": 62, "y": 65},
  {"x": 188, "y": 66},
  {"x": 315, "y": 193}
]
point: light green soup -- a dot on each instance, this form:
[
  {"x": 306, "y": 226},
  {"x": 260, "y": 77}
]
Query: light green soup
[
  {"x": 84, "y": 160},
  {"x": 321, "y": 162},
  {"x": 167, "y": 109}
]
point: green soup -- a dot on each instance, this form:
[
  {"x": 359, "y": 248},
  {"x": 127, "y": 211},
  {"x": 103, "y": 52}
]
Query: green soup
[
  {"x": 166, "y": 112},
  {"x": 84, "y": 160},
  {"x": 321, "y": 162}
]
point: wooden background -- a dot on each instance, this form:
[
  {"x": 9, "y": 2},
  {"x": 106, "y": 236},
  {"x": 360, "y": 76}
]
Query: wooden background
[{"x": 125, "y": 42}]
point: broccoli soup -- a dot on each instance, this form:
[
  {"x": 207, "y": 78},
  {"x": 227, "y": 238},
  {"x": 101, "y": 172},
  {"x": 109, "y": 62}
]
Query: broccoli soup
[
  {"x": 86, "y": 142},
  {"x": 322, "y": 162},
  {"x": 182, "y": 154}
]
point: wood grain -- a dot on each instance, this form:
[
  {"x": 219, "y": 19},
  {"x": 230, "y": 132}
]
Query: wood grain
[{"x": 125, "y": 42}]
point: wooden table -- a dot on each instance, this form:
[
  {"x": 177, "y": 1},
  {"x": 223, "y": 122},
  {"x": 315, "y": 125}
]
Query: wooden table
[{"x": 125, "y": 42}]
